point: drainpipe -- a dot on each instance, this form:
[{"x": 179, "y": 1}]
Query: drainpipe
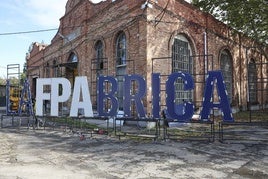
[
  {"x": 205, "y": 52},
  {"x": 248, "y": 104},
  {"x": 240, "y": 93}
]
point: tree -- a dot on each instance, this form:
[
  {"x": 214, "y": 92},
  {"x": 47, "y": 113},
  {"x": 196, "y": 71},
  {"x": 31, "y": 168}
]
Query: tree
[
  {"x": 249, "y": 17},
  {"x": 2, "y": 81},
  {"x": 23, "y": 75}
]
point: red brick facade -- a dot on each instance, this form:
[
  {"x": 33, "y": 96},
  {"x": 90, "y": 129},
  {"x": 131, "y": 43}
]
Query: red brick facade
[{"x": 150, "y": 28}]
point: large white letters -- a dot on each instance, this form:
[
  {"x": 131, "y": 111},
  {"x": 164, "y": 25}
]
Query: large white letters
[
  {"x": 61, "y": 92},
  {"x": 56, "y": 97},
  {"x": 81, "y": 88},
  {"x": 40, "y": 95}
]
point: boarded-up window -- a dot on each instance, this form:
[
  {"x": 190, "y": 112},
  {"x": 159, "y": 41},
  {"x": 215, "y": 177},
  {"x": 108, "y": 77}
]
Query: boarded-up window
[
  {"x": 252, "y": 81},
  {"x": 227, "y": 71},
  {"x": 99, "y": 56},
  {"x": 121, "y": 58}
]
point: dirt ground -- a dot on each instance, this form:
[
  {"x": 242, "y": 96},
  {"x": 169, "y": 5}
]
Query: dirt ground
[{"x": 32, "y": 154}]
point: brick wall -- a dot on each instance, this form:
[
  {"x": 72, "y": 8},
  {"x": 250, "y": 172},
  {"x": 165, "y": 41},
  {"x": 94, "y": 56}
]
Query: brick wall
[{"x": 150, "y": 33}]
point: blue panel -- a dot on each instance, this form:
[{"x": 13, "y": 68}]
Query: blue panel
[
  {"x": 183, "y": 114},
  {"x": 156, "y": 95},
  {"x": 111, "y": 96},
  {"x": 216, "y": 78},
  {"x": 137, "y": 97}
]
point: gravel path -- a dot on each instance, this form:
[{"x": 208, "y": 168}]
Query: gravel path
[{"x": 29, "y": 154}]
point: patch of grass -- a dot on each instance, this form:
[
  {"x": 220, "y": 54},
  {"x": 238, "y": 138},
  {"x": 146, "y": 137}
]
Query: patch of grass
[
  {"x": 188, "y": 133},
  {"x": 247, "y": 116},
  {"x": 71, "y": 122}
]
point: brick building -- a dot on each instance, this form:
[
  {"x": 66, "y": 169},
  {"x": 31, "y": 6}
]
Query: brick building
[{"x": 117, "y": 37}]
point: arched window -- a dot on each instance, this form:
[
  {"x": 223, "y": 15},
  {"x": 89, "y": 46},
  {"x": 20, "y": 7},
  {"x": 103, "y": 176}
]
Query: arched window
[
  {"x": 182, "y": 61},
  {"x": 47, "y": 71},
  {"x": 252, "y": 81},
  {"x": 56, "y": 69},
  {"x": 72, "y": 67},
  {"x": 121, "y": 49},
  {"x": 73, "y": 58},
  {"x": 121, "y": 59},
  {"x": 227, "y": 71},
  {"x": 99, "y": 55}
]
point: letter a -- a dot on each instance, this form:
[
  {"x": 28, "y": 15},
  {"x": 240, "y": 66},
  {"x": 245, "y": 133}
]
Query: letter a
[
  {"x": 215, "y": 77},
  {"x": 81, "y": 88}
]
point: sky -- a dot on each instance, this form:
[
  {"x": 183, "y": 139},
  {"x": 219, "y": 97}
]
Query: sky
[{"x": 23, "y": 16}]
